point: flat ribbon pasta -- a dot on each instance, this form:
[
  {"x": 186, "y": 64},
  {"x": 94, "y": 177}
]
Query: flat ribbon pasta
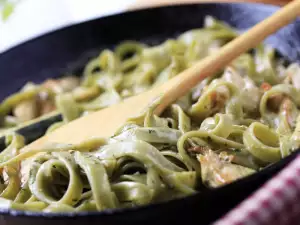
[{"x": 229, "y": 126}]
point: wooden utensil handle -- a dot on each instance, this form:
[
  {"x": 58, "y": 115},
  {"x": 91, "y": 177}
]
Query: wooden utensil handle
[{"x": 182, "y": 84}]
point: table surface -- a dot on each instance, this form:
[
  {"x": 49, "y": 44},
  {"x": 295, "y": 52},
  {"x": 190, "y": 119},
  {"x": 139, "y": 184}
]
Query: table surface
[{"x": 32, "y": 18}]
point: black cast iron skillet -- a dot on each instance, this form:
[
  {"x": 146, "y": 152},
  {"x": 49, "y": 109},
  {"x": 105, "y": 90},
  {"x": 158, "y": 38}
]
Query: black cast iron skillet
[{"x": 68, "y": 49}]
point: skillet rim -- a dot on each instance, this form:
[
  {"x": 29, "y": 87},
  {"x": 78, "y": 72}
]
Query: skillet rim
[{"x": 109, "y": 212}]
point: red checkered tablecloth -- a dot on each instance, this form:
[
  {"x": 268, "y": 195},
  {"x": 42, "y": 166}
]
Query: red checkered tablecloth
[{"x": 275, "y": 203}]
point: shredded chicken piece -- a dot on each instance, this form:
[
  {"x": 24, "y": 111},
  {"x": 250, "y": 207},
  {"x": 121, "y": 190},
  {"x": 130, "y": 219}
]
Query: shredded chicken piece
[
  {"x": 217, "y": 170},
  {"x": 52, "y": 85},
  {"x": 213, "y": 98},
  {"x": 287, "y": 108},
  {"x": 69, "y": 83},
  {"x": 218, "y": 101},
  {"x": 62, "y": 85},
  {"x": 250, "y": 93},
  {"x": 26, "y": 110},
  {"x": 46, "y": 106},
  {"x": 42, "y": 103}
]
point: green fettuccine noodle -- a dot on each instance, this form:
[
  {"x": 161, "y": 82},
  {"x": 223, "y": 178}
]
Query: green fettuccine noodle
[{"x": 228, "y": 127}]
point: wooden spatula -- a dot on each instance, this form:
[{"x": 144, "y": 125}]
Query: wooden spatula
[{"x": 105, "y": 122}]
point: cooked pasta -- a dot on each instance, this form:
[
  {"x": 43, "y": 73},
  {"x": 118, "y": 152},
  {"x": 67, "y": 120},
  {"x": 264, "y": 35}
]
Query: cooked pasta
[{"x": 229, "y": 126}]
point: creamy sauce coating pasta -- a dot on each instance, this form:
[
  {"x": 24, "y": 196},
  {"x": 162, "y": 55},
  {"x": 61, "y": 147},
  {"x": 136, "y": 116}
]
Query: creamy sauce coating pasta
[{"x": 229, "y": 126}]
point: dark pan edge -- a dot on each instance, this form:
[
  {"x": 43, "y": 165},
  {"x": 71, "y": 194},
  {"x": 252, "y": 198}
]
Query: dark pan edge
[{"x": 147, "y": 207}]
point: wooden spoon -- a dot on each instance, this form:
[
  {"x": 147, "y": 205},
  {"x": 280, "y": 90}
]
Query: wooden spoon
[{"x": 105, "y": 122}]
